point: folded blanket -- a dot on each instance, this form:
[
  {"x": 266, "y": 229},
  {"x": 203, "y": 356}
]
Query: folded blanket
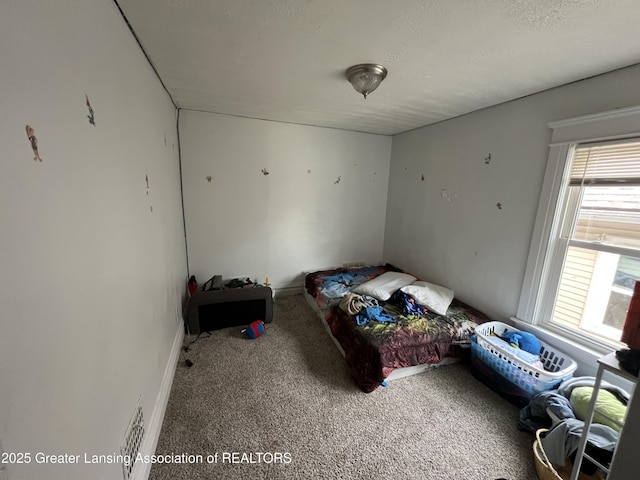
[{"x": 527, "y": 357}]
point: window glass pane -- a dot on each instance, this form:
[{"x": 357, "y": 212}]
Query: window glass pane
[
  {"x": 574, "y": 286},
  {"x": 609, "y": 215},
  {"x": 595, "y": 291}
]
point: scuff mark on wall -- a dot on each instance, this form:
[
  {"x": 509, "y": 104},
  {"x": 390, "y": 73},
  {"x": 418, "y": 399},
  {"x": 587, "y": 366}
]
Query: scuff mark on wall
[
  {"x": 146, "y": 179},
  {"x": 337, "y": 181},
  {"x": 487, "y": 159},
  {"x": 3, "y": 474},
  {"x": 422, "y": 178},
  {"x": 91, "y": 116},
  {"x": 444, "y": 193},
  {"x": 34, "y": 142},
  {"x": 209, "y": 178},
  {"x": 264, "y": 171},
  {"x": 499, "y": 205},
  {"x": 309, "y": 170}
]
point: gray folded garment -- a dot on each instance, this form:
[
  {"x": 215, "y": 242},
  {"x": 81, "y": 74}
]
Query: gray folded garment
[
  {"x": 562, "y": 440},
  {"x": 352, "y": 303},
  {"x": 536, "y": 415}
]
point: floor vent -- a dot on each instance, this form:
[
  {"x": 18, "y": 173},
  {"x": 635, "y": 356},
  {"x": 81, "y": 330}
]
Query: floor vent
[{"x": 132, "y": 441}]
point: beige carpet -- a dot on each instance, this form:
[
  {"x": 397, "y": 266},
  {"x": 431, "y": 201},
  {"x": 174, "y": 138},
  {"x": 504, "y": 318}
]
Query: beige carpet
[{"x": 287, "y": 402}]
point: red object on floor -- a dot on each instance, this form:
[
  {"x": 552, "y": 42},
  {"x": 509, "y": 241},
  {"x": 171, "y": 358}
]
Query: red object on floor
[
  {"x": 255, "y": 329},
  {"x": 192, "y": 285},
  {"x": 631, "y": 329}
]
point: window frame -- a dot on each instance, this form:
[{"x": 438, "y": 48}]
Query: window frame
[{"x": 537, "y": 296}]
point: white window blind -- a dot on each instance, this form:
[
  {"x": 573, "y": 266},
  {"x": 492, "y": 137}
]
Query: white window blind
[
  {"x": 605, "y": 183},
  {"x": 612, "y": 163}
]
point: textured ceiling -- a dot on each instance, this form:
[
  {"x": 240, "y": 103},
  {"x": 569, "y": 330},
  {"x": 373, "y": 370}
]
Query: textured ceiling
[{"x": 284, "y": 60}]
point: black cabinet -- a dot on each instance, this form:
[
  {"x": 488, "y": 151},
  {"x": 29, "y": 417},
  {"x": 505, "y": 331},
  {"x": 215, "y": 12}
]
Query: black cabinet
[{"x": 233, "y": 307}]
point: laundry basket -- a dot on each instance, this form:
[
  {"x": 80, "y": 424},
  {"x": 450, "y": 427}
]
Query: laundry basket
[
  {"x": 509, "y": 375},
  {"x": 546, "y": 470}
]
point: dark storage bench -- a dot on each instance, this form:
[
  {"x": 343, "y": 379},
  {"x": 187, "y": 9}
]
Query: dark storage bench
[{"x": 231, "y": 307}]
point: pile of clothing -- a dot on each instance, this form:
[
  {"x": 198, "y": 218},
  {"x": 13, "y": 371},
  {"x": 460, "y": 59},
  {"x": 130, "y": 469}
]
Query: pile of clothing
[
  {"x": 523, "y": 345},
  {"x": 563, "y": 411},
  {"x": 338, "y": 285},
  {"x": 364, "y": 308}
]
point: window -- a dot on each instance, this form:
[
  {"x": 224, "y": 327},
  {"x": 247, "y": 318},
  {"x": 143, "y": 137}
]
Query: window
[
  {"x": 599, "y": 239},
  {"x": 585, "y": 252}
]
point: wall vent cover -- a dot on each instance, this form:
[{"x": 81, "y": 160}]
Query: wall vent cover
[
  {"x": 352, "y": 264},
  {"x": 132, "y": 441}
]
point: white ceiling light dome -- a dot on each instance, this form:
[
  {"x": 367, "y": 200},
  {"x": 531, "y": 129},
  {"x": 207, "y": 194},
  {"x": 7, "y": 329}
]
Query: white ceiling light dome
[{"x": 366, "y": 77}]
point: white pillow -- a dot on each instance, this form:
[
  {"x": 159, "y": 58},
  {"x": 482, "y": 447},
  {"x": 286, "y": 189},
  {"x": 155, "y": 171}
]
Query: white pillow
[
  {"x": 383, "y": 286},
  {"x": 434, "y": 297}
]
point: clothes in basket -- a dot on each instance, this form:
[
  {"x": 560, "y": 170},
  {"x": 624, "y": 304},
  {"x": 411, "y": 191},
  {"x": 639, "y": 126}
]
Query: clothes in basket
[{"x": 505, "y": 372}]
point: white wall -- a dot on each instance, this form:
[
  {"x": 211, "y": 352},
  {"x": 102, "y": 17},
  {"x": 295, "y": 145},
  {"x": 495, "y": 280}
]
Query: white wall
[
  {"x": 468, "y": 243},
  {"x": 322, "y": 203},
  {"x": 90, "y": 278}
]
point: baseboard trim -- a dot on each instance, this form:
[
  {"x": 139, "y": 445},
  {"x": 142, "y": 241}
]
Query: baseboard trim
[
  {"x": 288, "y": 290},
  {"x": 142, "y": 470}
]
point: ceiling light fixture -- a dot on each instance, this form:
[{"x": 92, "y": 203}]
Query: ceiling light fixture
[{"x": 366, "y": 77}]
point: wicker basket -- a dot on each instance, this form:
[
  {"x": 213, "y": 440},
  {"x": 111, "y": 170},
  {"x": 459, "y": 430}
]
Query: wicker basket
[
  {"x": 544, "y": 468},
  {"x": 546, "y": 471}
]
